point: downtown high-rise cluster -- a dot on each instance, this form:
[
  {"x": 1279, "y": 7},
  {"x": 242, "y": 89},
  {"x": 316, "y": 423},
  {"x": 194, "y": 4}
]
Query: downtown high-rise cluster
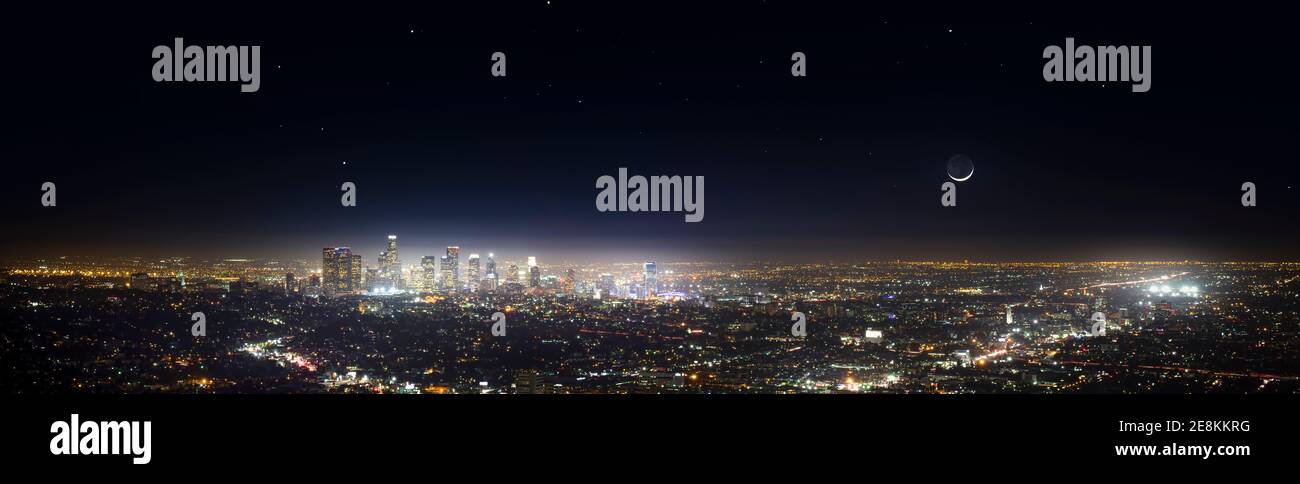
[{"x": 343, "y": 274}]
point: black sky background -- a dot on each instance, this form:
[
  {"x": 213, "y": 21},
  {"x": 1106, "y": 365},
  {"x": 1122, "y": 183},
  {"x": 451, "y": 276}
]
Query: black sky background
[{"x": 842, "y": 165}]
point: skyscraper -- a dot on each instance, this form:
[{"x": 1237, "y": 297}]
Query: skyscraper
[
  {"x": 414, "y": 278},
  {"x": 651, "y": 283},
  {"x": 534, "y": 273},
  {"x": 289, "y": 286},
  {"x": 329, "y": 271},
  {"x": 429, "y": 264},
  {"x": 354, "y": 274},
  {"x": 490, "y": 272},
  {"x": 471, "y": 273},
  {"x": 390, "y": 268},
  {"x": 451, "y": 269},
  {"x": 388, "y": 259},
  {"x": 512, "y": 276}
]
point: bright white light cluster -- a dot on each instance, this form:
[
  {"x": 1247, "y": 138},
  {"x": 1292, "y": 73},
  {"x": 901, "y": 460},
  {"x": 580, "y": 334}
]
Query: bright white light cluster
[{"x": 1166, "y": 290}]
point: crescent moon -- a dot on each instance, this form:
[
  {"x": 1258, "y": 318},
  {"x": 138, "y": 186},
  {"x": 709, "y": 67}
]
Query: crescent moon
[{"x": 967, "y": 177}]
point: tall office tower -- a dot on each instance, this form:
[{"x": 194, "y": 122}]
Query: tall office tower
[
  {"x": 414, "y": 278},
  {"x": 373, "y": 282},
  {"x": 490, "y": 267},
  {"x": 651, "y": 283},
  {"x": 429, "y": 264},
  {"x": 390, "y": 268},
  {"x": 471, "y": 273},
  {"x": 355, "y": 275},
  {"x": 534, "y": 273},
  {"x": 570, "y": 279},
  {"x": 451, "y": 274},
  {"x": 289, "y": 287},
  {"x": 329, "y": 271},
  {"x": 513, "y": 275},
  {"x": 606, "y": 285},
  {"x": 444, "y": 280},
  {"x": 390, "y": 261},
  {"x": 340, "y": 271}
]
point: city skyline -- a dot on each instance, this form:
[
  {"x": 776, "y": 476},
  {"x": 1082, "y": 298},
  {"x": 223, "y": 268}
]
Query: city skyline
[{"x": 894, "y": 327}]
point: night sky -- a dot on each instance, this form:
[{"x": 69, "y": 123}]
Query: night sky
[{"x": 844, "y": 164}]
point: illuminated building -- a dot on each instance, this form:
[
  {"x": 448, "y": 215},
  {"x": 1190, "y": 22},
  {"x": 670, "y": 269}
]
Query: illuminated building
[
  {"x": 341, "y": 271},
  {"x": 390, "y": 268},
  {"x": 451, "y": 269},
  {"x": 490, "y": 277},
  {"x": 388, "y": 258},
  {"x": 429, "y": 271},
  {"x": 471, "y": 273},
  {"x": 513, "y": 275},
  {"x": 534, "y": 273},
  {"x": 490, "y": 267},
  {"x": 529, "y": 382},
  {"x": 651, "y": 283}
]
